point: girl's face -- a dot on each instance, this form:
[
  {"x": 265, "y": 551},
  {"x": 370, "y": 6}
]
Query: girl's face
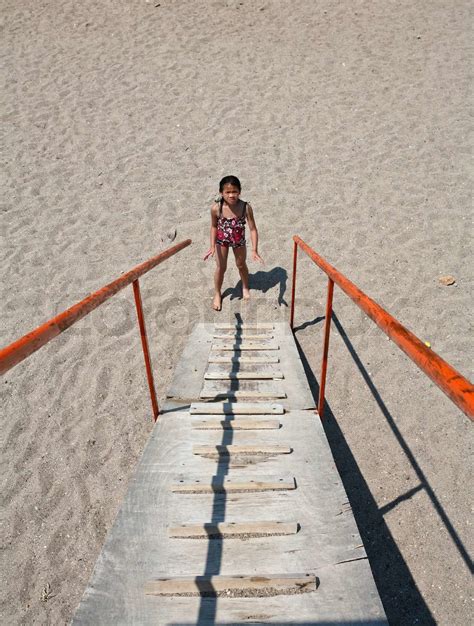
[{"x": 231, "y": 194}]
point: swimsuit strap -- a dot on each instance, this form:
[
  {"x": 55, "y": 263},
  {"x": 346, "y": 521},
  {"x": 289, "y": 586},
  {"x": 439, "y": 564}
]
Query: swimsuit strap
[{"x": 221, "y": 202}]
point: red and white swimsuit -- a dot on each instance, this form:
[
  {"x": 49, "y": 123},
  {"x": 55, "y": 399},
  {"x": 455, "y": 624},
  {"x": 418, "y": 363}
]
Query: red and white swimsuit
[{"x": 231, "y": 230}]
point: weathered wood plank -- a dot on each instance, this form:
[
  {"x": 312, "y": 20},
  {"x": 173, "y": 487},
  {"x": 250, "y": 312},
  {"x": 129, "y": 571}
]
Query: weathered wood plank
[
  {"x": 238, "y": 345},
  {"x": 230, "y": 529},
  {"x": 187, "y": 381},
  {"x": 232, "y": 450},
  {"x": 211, "y": 394},
  {"x": 238, "y": 424},
  {"x": 216, "y": 389},
  {"x": 298, "y": 392},
  {"x": 227, "y": 484},
  {"x": 238, "y": 375},
  {"x": 244, "y": 368},
  {"x": 245, "y": 326},
  {"x": 236, "y": 408},
  {"x": 244, "y": 357},
  {"x": 242, "y": 336},
  {"x": 205, "y": 585}
]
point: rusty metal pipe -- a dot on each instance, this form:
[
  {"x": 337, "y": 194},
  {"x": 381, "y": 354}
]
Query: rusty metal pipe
[
  {"x": 324, "y": 362},
  {"x": 146, "y": 351},
  {"x": 293, "y": 285},
  {"x": 29, "y": 343},
  {"x": 449, "y": 380}
]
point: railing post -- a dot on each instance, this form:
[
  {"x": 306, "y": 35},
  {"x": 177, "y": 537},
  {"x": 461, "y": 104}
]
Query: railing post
[
  {"x": 324, "y": 365},
  {"x": 146, "y": 352},
  {"x": 293, "y": 285}
]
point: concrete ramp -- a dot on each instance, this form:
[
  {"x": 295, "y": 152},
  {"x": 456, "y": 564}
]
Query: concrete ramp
[{"x": 236, "y": 513}]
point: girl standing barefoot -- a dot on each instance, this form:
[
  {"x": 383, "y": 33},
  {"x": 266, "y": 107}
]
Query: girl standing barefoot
[{"x": 228, "y": 218}]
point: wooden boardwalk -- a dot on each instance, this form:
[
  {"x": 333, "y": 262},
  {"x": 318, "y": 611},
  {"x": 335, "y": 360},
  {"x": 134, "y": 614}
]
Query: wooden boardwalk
[{"x": 236, "y": 513}]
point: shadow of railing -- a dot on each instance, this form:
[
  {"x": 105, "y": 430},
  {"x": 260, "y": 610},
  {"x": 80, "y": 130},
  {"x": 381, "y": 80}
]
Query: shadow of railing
[
  {"x": 402, "y": 601},
  {"x": 424, "y": 484}
]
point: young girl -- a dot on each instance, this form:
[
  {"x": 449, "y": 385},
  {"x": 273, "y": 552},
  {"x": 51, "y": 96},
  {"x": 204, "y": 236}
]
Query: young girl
[{"x": 228, "y": 218}]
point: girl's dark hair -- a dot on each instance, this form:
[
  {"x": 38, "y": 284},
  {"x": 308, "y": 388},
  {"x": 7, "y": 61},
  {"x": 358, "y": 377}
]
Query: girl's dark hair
[{"x": 230, "y": 180}]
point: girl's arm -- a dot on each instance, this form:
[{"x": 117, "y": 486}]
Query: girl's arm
[
  {"x": 253, "y": 234},
  {"x": 214, "y": 218}
]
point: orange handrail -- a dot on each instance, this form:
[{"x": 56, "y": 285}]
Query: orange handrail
[
  {"x": 449, "y": 380},
  {"x": 25, "y": 346}
]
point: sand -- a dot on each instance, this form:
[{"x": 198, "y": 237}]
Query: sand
[{"x": 348, "y": 124}]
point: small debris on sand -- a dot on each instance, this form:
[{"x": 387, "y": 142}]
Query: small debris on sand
[
  {"x": 46, "y": 593},
  {"x": 447, "y": 280}
]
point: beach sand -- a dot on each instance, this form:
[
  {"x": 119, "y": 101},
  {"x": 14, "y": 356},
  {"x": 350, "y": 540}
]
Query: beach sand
[{"x": 348, "y": 124}]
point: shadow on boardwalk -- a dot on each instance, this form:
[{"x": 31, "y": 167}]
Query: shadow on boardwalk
[
  {"x": 208, "y": 605},
  {"x": 210, "y": 622}
]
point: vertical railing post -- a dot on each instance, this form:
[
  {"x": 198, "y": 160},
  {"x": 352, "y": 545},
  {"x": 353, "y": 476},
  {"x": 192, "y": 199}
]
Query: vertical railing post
[
  {"x": 324, "y": 365},
  {"x": 146, "y": 352},
  {"x": 293, "y": 285}
]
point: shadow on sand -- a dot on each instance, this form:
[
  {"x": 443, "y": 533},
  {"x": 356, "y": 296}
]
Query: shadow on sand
[{"x": 262, "y": 281}]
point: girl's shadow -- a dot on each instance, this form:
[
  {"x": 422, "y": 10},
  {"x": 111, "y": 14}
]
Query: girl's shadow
[{"x": 262, "y": 281}]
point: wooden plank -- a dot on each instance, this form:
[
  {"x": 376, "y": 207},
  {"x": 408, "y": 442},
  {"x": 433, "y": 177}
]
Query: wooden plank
[
  {"x": 242, "y": 389},
  {"x": 226, "y": 484},
  {"x": 238, "y": 345},
  {"x": 238, "y": 424},
  {"x": 187, "y": 380},
  {"x": 232, "y": 450},
  {"x": 237, "y": 375},
  {"x": 218, "y": 389},
  {"x": 267, "y": 584},
  {"x": 244, "y": 336},
  {"x": 236, "y": 408},
  {"x": 298, "y": 392},
  {"x": 245, "y": 357},
  {"x": 240, "y": 393},
  {"x": 243, "y": 368},
  {"x": 244, "y": 326},
  {"x": 232, "y": 529}
]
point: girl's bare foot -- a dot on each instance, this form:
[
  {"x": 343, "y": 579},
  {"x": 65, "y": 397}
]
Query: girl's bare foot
[
  {"x": 246, "y": 294},
  {"x": 217, "y": 302}
]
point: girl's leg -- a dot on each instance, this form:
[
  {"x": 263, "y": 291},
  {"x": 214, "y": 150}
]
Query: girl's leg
[
  {"x": 240, "y": 256},
  {"x": 221, "y": 265}
]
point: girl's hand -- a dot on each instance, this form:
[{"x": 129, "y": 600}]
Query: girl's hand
[
  {"x": 211, "y": 252},
  {"x": 257, "y": 257}
]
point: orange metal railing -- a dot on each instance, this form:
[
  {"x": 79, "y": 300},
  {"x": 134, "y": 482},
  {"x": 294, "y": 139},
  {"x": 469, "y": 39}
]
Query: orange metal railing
[
  {"x": 29, "y": 343},
  {"x": 454, "y": 385}
]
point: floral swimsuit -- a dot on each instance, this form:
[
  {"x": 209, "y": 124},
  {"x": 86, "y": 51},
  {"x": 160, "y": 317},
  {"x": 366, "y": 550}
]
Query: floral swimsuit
[{"x": 231, "y": 230}]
